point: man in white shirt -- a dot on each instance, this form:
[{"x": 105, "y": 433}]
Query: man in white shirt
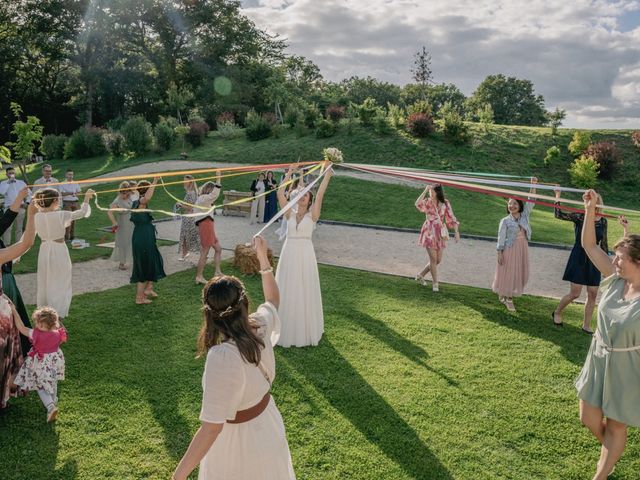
[
  {"x": 45, "y": 179},
  {"x": 69, "y": 192},
  {"x": 9, "y": 189}
]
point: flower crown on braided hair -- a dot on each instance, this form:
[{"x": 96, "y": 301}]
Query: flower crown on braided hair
[{"x": 231, "y": 309}]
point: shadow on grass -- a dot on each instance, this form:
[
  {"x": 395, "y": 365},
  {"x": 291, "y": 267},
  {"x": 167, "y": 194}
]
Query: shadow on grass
[{"x": 350, "y": 394}]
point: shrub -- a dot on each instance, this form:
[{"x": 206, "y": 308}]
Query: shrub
[
  {"x": 53, "y": 146},
  {"x": 137, "y": 135},
  {"x": 195, "y": 116},
  {"x": 172, "y": 122},
  {"x": 454, "y": 129},
  {"x": 85, "y": 142},
  {"x": 291, "y": 115},
  {"x": 420, "y": 124},
  {"x": 197, "y": 132},
  {"x": 164, "y": 136},
  {"x": 278, "y": 130},
  {"x": 114, "y": 143},
  {"x": 553, "y": 154},
  {"x": 485, "y": 116},
  {"x": 584, "y": 172},
  {"x": 311, "y": 115},
  {"x": 257, "y": 127},
  {"x": 335, "y": 113},
  {"x": 421, "y": 106},
  {"x": 579, "y": 143},
  {"x": 270, "y": 117},
  {"x": 229, "y": 130},
  {"x": 225, "y": 117},
  {"x": 325, "y": 129},
  {"x": 381, "y": 124},
  {"x": 300, "y": 127},
  {"x": 115, "y": 124},
  {"x": 395, "y": 115},
  {"x": 366, "y": 111},
  {"x": 607, "y": 155},
  {"x": 349, "y": 124},
  {"x": 635, "y": 138}
]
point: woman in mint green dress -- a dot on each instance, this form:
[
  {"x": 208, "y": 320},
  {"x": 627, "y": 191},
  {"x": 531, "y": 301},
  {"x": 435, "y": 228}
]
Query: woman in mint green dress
[
  {"x": 609, "y": 384},
  {"x": 148, "y": 266}
]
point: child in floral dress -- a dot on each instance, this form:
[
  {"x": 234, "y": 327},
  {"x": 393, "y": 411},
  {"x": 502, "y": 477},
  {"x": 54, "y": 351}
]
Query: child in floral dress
[{"x": 44, "y": 365}]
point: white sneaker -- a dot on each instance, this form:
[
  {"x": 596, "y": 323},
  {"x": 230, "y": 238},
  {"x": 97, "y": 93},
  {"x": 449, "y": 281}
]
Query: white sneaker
[
  {"x": 52, "y": 413},
  {"x": 435, "y": 288}
]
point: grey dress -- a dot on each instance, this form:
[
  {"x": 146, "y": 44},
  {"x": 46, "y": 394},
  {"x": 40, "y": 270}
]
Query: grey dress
[
  {"x": 610, "y": 378},
  {"x": 188, "y": 229},
  {"x": 122, "y": 250}
]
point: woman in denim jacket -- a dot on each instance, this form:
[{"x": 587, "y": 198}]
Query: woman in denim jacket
[{"x": 514, "y": 233}]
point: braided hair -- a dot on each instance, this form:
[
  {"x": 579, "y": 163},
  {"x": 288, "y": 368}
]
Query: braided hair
[{"x": 226, "y": 317}]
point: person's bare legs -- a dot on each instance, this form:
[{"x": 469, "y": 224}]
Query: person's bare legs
[
  {"x": 433, "y": 262},
  {"x": 141, "y": 298},
  {"x": 592, "y": 418},
  {"x": 202, "y": 261},
  {"x": 592, "y": 293},
  {"x": 574, "y": 293},
  {"x": 217, "y": 257},
  {"x": 148, "y": 290},
  {"x": 615, "y": 440}
]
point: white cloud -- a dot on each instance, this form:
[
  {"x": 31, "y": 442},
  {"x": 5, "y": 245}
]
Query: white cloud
[{"x": 575, "y": 52}]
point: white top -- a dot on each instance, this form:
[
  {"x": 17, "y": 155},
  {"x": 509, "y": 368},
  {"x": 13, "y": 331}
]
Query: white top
[
  {"x": 10, "y": 188},
  {"x": 51, "y": 225},
  {"x": 207, "y": 201},
  {"x": 42, "y": 183},
  {"x": 70, "y": 187}
]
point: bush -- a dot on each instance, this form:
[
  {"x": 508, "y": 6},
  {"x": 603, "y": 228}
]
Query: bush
[
  {"x": 349, "y": 124},
  {"x": 607, "y": 155},
  {"x": 164, "y": 136},
  {"x": 395, "y": 115},
  {"x": 553, "y": 154},
  {"x": 325, "y": 129},
  {"x": 229, "y": 130},
  {"x": 454, "y": 129},
  {"x": 311, "y": 115},
  {"x": 300, "y": 127},
  {"x": 257, "y": 128},
  {"x": 115, "y": 124},
  {"x": 635, "y": 138},
  {"x": 381, "y": 124},
  {"x": 114, "y": 143},
  {"x": 137, "y": 135},
  {"x": 579, "y": 143},
  {"x": 270, "y": 117},
  {"x": 85, "y": 142},
  {"x": 584, "y": 172},
  {"x": 420, "y": 124},
  {"x": 335, "y": 113},
  {"x": 291, "y": 115},
  {"x": 421, "y": 106},
  {"x": 197, "y": 133},
  {"x": 367, "y": 111},
  {"x": 172, "y": 122},
  {"x": 53, "y": 146},
  {"x": 225, "y": 117}
]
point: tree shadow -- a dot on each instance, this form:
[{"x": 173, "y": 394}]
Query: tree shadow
[
  {"x": 376, "y": 420},
  {"x": 392, "y": 339}
]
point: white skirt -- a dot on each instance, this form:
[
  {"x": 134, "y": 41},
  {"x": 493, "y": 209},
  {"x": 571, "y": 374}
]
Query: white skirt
[
  {"x": 54, "y": 277},
  {"x": 300, "y": 298}
]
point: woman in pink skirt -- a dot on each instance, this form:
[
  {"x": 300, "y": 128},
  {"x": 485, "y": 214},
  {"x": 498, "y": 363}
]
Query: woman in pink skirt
[
  {"x": 434, "y": 233},
  {"x": 514, "y": 233},
  {"x": 206, "y": 228}
]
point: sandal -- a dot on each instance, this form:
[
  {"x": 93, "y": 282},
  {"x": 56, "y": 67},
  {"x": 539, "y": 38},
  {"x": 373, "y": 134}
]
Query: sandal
[
  {"x": 421, "y": 280},
  {"x": 52, "y": 413},
  {"x": 435, "y": 288},
  {"x": 588, "y": 332},
  {"x": 509, "y": 304},
  {"x": 553, "y": 319}
]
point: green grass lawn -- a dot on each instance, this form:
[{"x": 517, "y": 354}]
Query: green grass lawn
[{"x": 404, "y": 385}]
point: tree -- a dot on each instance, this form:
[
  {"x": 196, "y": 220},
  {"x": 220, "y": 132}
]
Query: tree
[
  {"x": 513, "y": 101},
  {"x": 178, "y": 99},
  {"x": 421, "y": 70},
  {"x": 555, "y": 119},
  {"x": 485, "y": 116},
  {"x": 357, "y": 90},
  {"x": 27, "y": 134}
]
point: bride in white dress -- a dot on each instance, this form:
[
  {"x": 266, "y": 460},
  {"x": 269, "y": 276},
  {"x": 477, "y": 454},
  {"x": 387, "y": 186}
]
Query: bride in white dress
[{"x": 297, "y": 275}]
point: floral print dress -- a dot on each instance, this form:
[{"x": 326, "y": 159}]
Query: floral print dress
[
  {"x": 434, "y": 233},
  {"x": 189, "y": 235}
]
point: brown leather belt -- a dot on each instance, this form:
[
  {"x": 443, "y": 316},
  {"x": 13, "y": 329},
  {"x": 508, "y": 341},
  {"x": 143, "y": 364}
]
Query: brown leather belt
[{"x": 243, "y": 416}]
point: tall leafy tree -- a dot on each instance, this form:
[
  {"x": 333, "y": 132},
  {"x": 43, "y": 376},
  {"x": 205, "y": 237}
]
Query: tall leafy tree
[{"x": 421, "y": 70}]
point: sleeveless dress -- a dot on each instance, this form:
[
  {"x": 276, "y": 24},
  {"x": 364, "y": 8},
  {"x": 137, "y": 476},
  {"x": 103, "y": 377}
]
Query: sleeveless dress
[
  {"x": 299, "y": 283},
  {"x": 10, "y": 350},
  {"x": 54, "y": 263},
  {"x": 148, "y": 265},
  {"x": 257, "y": 449},
  {"x": 189, "y": 235},
  {"x": 122, "y": 249},
  {"x": 610, "y": 380}
]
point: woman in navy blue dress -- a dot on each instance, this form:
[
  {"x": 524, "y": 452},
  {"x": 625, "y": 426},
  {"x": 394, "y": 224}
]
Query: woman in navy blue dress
[
  {"x": 580, "y": 272},
  {"x": 271, "y": 200}
]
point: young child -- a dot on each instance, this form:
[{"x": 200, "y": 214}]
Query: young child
[{"x": 44, "y": 365}]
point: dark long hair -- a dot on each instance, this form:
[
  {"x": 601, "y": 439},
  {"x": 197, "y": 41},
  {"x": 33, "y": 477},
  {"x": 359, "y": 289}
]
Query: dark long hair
[
  {"x": 439, "y": 193},
  {"x": 44, "y": 198},
  {"x": 520, "y": 204},
  {"x": 226, "y": 317},
  {"x": 143, "y": 186}
]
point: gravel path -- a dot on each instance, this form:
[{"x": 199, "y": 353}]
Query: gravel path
[{"x": 470, "y": 262}]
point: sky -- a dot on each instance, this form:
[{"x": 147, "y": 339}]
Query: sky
[{"x": 583, "y": 56}]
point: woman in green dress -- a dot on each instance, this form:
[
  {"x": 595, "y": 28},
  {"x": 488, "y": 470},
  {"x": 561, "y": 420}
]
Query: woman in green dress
[
  {"x": 147, "y": 262},
  {"x": 609, "y": 384}
]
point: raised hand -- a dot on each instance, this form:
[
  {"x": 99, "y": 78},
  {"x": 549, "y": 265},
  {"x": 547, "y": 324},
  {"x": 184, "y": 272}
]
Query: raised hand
[
  {"x": 590, "y": 198},
  {"x": 557, "y": 191}
]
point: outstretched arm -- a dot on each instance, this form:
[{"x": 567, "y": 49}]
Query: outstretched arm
[
  {"x": 317, "y": 204},
  {"x": 600, "y": 259},
  {"x": 149, "y": 193},
  {"x": 21, "y": 246},
  {"x": 282, "y": 199},
  {"x": 269, "y": 285}
]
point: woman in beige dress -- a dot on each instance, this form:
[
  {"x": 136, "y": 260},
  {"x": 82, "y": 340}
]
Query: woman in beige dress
[{"x": 609, "y": 384}]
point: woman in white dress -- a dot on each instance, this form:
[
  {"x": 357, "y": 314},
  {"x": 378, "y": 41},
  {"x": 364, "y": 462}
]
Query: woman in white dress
[
  {"x": 297, "y": 273},
  {"x": 242, "y": 435},
  {"x": 121, "y": 225},
  {"x": 54, "y": 263}
]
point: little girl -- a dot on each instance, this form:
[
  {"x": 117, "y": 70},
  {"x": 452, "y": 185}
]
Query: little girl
[
  {"x": 206, "y": 229},
  {"x": 44, "y": 365}
]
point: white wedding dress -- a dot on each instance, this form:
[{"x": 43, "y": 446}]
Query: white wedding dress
[{"x": 297, "y": 277}]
